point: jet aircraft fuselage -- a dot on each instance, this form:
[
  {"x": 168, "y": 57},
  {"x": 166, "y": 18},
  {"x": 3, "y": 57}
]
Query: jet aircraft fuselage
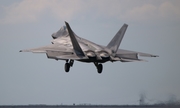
[{"x": 66, "y": 45}]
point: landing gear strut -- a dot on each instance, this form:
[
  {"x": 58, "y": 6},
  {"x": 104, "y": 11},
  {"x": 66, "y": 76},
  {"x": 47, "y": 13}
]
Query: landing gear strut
[
  {"x": 68, "y": 65},
  {"x": 99, "y": 67}
]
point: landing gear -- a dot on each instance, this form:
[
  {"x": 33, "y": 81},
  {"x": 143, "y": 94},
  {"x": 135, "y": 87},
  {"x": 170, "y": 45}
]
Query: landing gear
[
  {"x": 68, "y": 65},
  {"x": 99, "y": 67}
]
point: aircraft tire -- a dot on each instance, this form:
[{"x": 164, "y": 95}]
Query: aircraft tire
[
  {"x": 67, "y": 67},
  {"x": 100, "y": 68}
]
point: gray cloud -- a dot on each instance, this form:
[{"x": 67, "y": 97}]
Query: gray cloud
[{"x": 30, "y": 11}]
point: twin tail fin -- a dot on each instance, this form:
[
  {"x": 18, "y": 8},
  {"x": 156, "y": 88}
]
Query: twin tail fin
[{"x": 116, "y": 41}]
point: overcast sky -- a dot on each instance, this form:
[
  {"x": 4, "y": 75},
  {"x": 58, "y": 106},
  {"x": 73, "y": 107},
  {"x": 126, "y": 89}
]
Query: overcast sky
[{"x": 27, "y": 78}]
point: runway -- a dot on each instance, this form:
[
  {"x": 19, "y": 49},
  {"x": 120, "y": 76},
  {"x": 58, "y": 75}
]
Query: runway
[{"x": 89, "y": 106}]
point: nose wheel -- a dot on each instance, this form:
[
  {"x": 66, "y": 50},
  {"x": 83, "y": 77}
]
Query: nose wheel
[
  {"x": 99, "y": 67},
  {"x": 68, "y": 65}
]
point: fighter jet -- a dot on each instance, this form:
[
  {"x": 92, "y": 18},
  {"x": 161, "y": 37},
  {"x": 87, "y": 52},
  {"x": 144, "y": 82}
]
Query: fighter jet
[{"x": 67, "y": 46}]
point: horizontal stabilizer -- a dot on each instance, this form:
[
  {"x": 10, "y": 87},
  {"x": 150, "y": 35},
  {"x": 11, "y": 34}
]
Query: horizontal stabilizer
[
  {"x": 147, "y": 55},
  {"x": 130, "y": 54},
  {"x": 130, "y": 60},
  {"x": 73, "y": 57},
  {"x": 62, "y": 55}
]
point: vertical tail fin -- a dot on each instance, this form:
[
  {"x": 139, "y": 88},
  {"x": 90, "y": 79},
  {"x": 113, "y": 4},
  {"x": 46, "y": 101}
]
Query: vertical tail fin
[
  {"x": 115, "y": 42},
  {"x": 74, "y": 41}
]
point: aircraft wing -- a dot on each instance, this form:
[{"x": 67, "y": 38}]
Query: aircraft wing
[
  {"x": 56, "y": 51},
  {"x": 52, "y": 47},
  {"x": 131, "y": 56}
]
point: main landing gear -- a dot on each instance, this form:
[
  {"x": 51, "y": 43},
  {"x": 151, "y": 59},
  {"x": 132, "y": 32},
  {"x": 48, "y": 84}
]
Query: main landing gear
[
  {"x": 99, "y": 67},
  {"x": 68, "y": 65}
]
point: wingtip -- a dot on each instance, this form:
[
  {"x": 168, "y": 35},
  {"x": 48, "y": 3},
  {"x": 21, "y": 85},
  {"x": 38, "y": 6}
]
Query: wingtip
[
  {"x": 24, "y": 50},
  {"x": 154, "y": 56}
]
